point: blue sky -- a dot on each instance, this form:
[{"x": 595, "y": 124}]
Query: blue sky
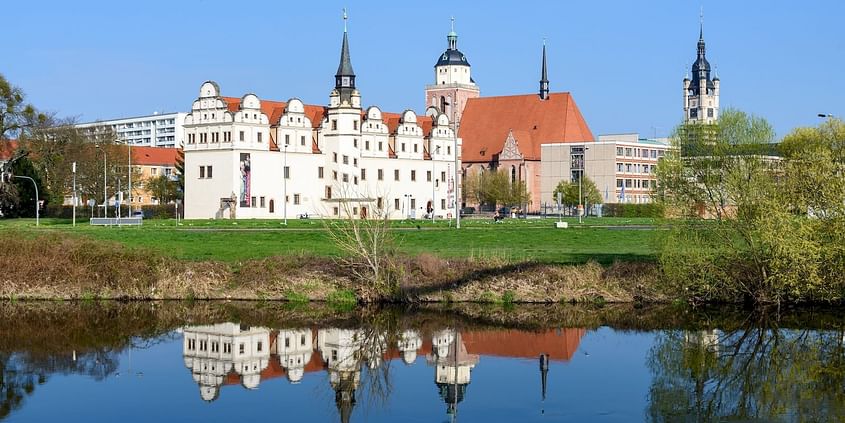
[{"x": 623, "y": 61}]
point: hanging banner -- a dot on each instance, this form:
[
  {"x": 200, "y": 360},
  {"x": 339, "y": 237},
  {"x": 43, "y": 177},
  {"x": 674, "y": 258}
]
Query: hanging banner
[{"x": 246, "y": 174}]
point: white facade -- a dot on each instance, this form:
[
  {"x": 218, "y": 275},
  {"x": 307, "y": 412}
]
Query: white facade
[
  {"x": 157, "y": 130},
  {"x": 622, "y": 166},
  {"x": 348, "y": 161},
  {"x": 213, "y": 351}
]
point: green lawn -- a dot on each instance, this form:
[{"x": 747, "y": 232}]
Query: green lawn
[{"x": 512, "y": 239}]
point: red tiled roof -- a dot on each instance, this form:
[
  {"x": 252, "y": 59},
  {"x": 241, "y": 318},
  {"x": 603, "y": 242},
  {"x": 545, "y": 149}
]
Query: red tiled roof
[
  {"x": 7, "y": 148},
  {"x": 275, "y": 109},
  {"x": 154, "y": 156},
  {"x": 487, "y": 120}
]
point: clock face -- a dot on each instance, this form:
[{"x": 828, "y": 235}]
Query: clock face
[{"x": 345, "y": 81}]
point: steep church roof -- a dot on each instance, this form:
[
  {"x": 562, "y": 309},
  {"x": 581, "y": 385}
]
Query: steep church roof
[{"x": 487, "y": 121}]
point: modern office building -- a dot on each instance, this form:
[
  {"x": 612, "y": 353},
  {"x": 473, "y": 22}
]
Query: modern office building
[
  {"x": 156, "y": 130},
  {"x": 622, "y": 167}
]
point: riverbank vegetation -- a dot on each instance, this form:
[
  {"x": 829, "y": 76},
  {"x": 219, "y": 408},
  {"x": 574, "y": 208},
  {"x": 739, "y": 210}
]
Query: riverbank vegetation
[{"x": 758, "y": 222}]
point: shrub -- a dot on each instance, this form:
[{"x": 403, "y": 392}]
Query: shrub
[{"x": 653, "y": 210}]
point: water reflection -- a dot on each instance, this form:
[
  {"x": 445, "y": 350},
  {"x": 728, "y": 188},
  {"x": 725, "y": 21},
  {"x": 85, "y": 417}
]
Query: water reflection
[
  {"x": 230, "y": 353},
  {"x": 391, "y": 364}
]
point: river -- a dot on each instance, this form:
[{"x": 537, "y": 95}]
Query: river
[{"x": 249, "y": 361}]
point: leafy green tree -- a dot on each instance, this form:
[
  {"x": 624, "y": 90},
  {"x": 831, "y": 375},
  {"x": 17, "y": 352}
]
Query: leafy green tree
[
  {"x": 569, "y": 193},
  {"x": 19, "y": 195},
  {"x": 16, "y": 116},
  {"x": 745, "y": 235},
  {"x": 163, "y": 188}
]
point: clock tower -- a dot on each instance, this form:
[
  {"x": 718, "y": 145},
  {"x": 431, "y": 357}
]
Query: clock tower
[
  {"x": 701, "y": 93},
  {"x": 453, "y": 83}
]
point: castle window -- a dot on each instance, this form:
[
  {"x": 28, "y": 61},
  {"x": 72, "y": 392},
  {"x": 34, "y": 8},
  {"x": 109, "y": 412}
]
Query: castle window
[
  {"x": 415, "y": 147},
  {"x": 334, "y": 124},
  {"x": 346, "y": 160},
  {"x": 396, "y": 203},
  {"x": 413, "y": 175},
  {"x": 367, "y": 145},
  {"x": 262, "y": 202},
  {"x": 334, "y": 157},
  {"x": 355, "y": 142},
  {"x": 443, "y": 203},
  {"x": 381, "y": 174},
  {"x": 329, "y": 195},
  {"x": 403, "y": 147},
  {"x": 334, "y": 211},
  {"x": 259, "y": 137},
  {"x": 208, "y": 172},
  {"x": 320, "y": 172},
  {"x": 354, "y": 162},
  {"x": 380, "y": 146},
  {"x": 363, "y": 174},
  {"x": 287, "y": 172},
  {"x": 287, "y": 139},
  {"x": 296, "y": 199},
  {"x": 428, "y": 176},
  {"x": 334, "y": 175},
  {"x": 355, "y": 125},
  {"x": 710, "y": 113},
  {"x": 202, "y": 171},
  {"x": 443, "y": 176},
  {"x": 302, "y": 140},
  {"x": 345, "y": 177},
  {"x": 448, "y": 149},
  {"x": 242, "y": 135},
  {"x": 396, "y": 174}
]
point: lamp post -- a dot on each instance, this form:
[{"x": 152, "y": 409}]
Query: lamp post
[
  {"x": 73, "y": 168},
  {"x": 285, "y": 177},
  {"x": 105, "y": 183},
  {"x": 455, "y": 188},
  {"x": 580, "y": 178},
  {"x": 433, "y": 181}
]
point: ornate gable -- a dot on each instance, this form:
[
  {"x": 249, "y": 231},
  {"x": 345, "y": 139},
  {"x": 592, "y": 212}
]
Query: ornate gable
[{"x": 511, "y": 149}]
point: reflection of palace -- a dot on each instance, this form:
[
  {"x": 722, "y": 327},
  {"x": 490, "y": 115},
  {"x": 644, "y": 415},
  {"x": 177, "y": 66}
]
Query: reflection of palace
[{"x": 230, "y": 354}]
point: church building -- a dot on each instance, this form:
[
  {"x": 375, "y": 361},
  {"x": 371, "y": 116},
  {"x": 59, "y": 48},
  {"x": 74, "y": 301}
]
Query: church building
[
  {"x": 701, "y": 93},
  {"x": 506, "y": 132}
]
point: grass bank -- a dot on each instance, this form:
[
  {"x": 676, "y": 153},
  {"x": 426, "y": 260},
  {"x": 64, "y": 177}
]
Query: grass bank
[
  {"x": 601, "y": 240},
  {"x": 62, "y": 265}
]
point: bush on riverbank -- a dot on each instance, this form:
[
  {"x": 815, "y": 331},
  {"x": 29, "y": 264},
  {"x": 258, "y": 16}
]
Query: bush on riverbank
[{"x": 652, "y": 210}]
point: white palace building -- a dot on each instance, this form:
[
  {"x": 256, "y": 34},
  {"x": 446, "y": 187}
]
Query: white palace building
[{"x": 251, "y": 158}]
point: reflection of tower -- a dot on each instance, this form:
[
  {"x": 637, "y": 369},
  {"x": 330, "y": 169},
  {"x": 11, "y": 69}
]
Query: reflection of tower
[
  {"x": 340, "y": 350},
  {"x": 213, "y": 352},
  {"x": 294, "y": 348},
  {"x": 707, "y": 339},
  {"x": 409, "y": 342},
  {"x": 544, "y": 373},
  {"x": 453, "y": 366}
]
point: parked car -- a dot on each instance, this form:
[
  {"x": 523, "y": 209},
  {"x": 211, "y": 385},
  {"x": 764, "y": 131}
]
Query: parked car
[{"x": 138, "y": 213}]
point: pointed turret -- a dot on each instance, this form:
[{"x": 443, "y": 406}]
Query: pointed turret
[
  {"x": 345, "y": 76},
  {"x": 544, "y": 77},
  {"x": 701, "y": 91}
]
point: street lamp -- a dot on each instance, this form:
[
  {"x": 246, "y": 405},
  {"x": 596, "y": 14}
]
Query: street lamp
[
  {"x": 285, "y": 177},
  {"x": 433, "y": 180},
  {"x": 455, "y": 187},
  {"x": 580, "y": 178},
  {"x": 105, "y": 183}
]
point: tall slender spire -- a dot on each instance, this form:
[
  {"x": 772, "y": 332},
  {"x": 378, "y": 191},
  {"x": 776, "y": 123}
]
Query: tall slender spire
[
  {"x": 452, "y": 38},
  {"x": 345, "y": 76},
  {"x": 544, "y": 76},
  {"x": 701, "y": 24}
]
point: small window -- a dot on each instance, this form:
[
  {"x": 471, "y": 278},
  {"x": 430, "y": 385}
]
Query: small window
[
  {"x": 443, "y": 176},
  {"x": 334, "y": 157},
  {"x": 296, "y": 199},
  {"x": 443, "y": 203},
  {"x": 363, "y": 174},
  {"x": 287, "y": 172},
  {"x": 380, "y": 203},
  {"x": 202, "y": 171},
  {"x": 262, "y": 202},
  {"x": 334, "y": 211},
  {"x": 242, "y": 135},
  {"x": 334, "y": 175},
  {"x": 287, "y": 139},
  {"x": 396, "y": 203},
  {"x": 208, "y": 172},
  {"x": 355, "y": 162},
  {"x": 403, "y": 147},
  {"x": 329, "y": 193},
  {"x": 380, "y": 147},
  {"x": 428, "y": 176},
  {"x": 381, "y": 174},
  {"x": 415, "y": 147},
  {"x": 413, "y": 203},
  {"x": 334, "y": 124},
  {"x": 242, "y": 348},
  {"x": 302, "y": 140},
  {"x": 367, "y": 145},
  {"x": 413, "y": 175},
  {"x": 320, "y": 171},
  {"x": 355, "y": 142},
  {"x": 259, "y": 137},
  {"x": 355, "y": 127},
  {"x": 396, "y": 174},
  {"x": 253, "y": 203},
  {"x": 346, "y": 160},
  {"x": 345, "y": 177}
]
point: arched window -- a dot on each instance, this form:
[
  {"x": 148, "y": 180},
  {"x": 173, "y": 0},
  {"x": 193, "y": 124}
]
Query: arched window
[
  {"x": 513, "y": 174},
  {"x": 442, "y": 104}
]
